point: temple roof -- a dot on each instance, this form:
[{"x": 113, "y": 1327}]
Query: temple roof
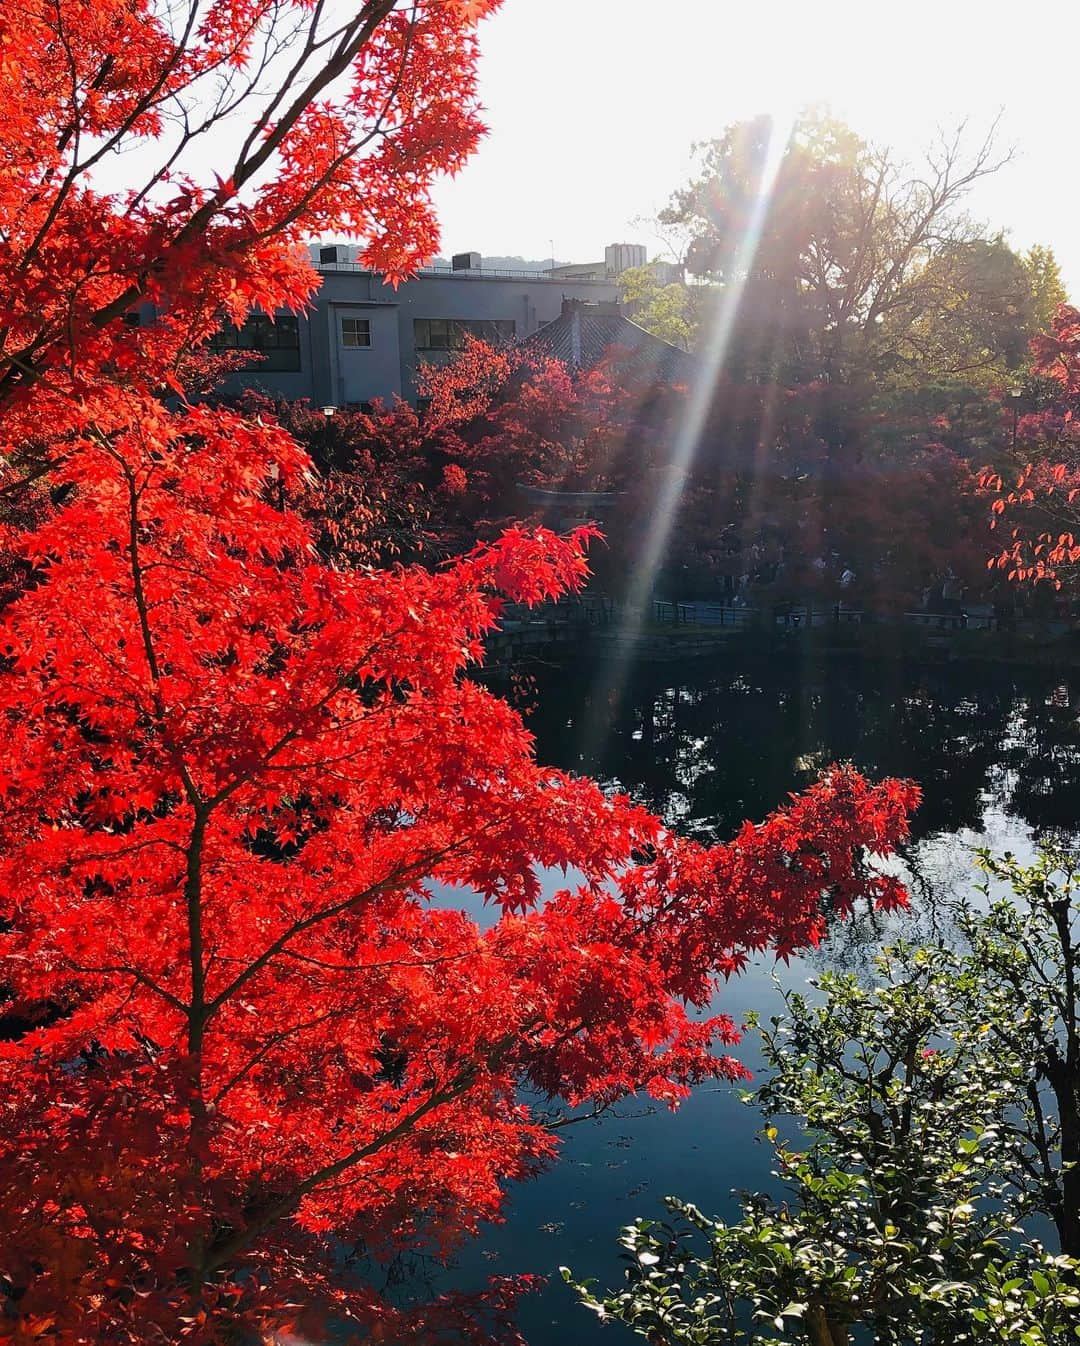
[{"x": 584, "y": 334}]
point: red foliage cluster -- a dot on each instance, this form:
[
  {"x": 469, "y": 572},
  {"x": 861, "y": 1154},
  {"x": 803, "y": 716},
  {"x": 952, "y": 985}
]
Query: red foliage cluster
[
  {"x": 397, "y": 484},
  {"x": 230, "y": 783},
  {"x": 536, "y": 424},
  {"x": 788, "y": 485},
  {"x": 1040, "y": 497},
  {"x": 498, "y": 422},
  {"x": 778, "y": 481},
  {"x": 246, "y": 1025}
]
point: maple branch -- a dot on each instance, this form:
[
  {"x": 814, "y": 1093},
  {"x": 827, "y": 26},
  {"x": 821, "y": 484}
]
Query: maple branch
[
  {"x": 227, "y": 103},
  {"x": 359, "y": 32},
  {"x": 141, "y": 605},
  {"x": 355, "y": 35},
  {"x": 76, "y": 169},
  {"x": 600, "y": 1110},
  {"x": 275, "y": 1041},
  {"x": 354, "y": 147},
  {"x": 376, "y": 967},
  {"x": 24, "y": 480},
  {"x": 124, "y": 970},
  {"x": 492, "y": 1057},
  {"x": 197, "y": 1010},
  {"x": 92, "y": 857},
  {"x": 218, "y": 1256},
  {"x": 415, "y": 868},
  {"x": 338, "y": 685}
]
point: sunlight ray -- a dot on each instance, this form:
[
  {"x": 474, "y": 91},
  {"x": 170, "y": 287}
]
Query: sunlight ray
[
  {"x": 713, "y": 356},
  {"x": 698, "y": 403}
]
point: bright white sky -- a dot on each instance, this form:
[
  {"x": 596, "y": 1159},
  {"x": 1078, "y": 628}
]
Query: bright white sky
[{"x": 593, "y": 105}]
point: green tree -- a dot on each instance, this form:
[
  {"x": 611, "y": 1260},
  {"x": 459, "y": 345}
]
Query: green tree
[
  {"x": 1025, "y": 985},
  {"x": 667, "y": 309},
  {"x": 972, "y": 311},
  {"x": 853, "y": 247},
  {"x": 934, "y": 1114},
  {"x": 1048, "y": 291}
]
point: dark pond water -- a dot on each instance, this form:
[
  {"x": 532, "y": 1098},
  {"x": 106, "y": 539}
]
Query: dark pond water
[{"x": 998, "y": 756}]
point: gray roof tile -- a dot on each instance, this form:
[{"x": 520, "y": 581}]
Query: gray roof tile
[{"x": 582, "y": 336}]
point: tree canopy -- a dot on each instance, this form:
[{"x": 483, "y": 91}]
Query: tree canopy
[
  {"x": 855, "y": 259},
  {"x": 922, "y": 1122},
  {"x": 248, "y": 1032}
]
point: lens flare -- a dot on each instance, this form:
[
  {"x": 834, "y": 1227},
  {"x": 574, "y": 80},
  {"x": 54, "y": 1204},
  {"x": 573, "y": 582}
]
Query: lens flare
[{"x": 712, "y": 358}]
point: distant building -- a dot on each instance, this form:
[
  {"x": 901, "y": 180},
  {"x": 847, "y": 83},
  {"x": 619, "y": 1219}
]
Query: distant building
[
  {"x": 618, "y": 257},
  {"x": 364, "y": 340}
]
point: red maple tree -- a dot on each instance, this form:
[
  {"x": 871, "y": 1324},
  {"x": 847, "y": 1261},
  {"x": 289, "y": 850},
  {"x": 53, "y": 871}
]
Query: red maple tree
[
  {"x": 781, "y": 481},
  {"x": 503, "y": 434},
  {"x": 1034, "y": 501},
  {"x": 246, "y": 1030}
]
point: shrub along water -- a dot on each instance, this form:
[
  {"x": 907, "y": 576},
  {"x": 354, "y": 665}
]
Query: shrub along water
[{"x": 935, "y": 1130}]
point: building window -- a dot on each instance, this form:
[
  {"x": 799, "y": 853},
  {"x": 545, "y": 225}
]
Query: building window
[
  {"x": 356, "y": 332},
  {"x": 449, "y": 334},
  {"x": 276, "y": 340}
]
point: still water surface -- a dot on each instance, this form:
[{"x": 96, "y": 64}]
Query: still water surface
[{"x": 997, "y": 753}]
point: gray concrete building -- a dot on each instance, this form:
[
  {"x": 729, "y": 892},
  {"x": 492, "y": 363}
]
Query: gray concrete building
[{"x": 364, "y": 340}]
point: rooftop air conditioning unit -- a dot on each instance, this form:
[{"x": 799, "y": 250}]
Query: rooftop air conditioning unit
[{"x": 333, "y": 254}]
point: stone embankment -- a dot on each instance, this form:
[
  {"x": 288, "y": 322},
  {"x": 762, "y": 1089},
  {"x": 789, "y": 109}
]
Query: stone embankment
[{"x": 676, "y": 632}]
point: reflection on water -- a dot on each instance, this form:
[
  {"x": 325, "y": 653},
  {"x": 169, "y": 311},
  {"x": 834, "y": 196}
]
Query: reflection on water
[
  {"x": 997, "y": 753},
  {"x": 708, "y": 748}
]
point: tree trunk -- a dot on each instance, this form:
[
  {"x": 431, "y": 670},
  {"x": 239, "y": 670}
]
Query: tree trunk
[
  {"x": 1068, "y": 1221},
  {"x": 822, "y": 1330}
]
